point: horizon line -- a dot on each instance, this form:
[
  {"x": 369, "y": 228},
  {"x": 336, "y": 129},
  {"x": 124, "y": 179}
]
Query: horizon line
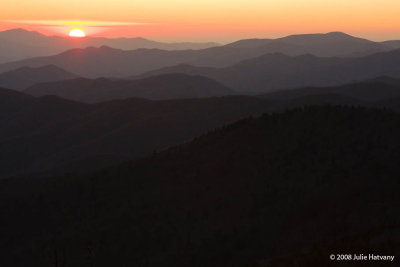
[{"x": 154, "y": 38}]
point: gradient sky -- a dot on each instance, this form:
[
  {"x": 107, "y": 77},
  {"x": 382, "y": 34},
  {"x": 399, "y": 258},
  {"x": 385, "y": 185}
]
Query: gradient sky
[{"x": 218, "y": 20}]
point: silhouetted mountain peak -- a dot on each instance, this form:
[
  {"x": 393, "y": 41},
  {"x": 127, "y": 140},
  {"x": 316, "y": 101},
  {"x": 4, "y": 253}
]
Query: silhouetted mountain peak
[
  {"x": 315, "y": 38},
  {"x": 21, "y": 33},
  {"x": 338, "y": 34},
  {"x": 344, "y": 37},
  {"x": 342, "y": 34}
]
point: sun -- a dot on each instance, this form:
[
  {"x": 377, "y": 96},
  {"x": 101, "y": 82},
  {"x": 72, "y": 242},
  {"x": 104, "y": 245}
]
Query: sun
[{"x": 77, "y": 33}]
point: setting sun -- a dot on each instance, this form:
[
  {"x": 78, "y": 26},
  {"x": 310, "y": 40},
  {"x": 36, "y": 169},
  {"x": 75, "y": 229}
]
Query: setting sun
[{"x": 77, "y": 33}]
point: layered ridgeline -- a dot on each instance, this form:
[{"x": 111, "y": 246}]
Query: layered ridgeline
[
  {"x": 18, "y": 44},
  {"x": 54, "y": 134},
  {"x": 263, "y": 74},
  {"x": 175, "y": 86},
  {"x": 51, "y": 134},
  {"x": 107, "y": 61},
  {"x": 278, "y": 71},
  {"x": 280, "y": 190},
  {"x": 24, "y": 77},
  {"x": 167, "y": 86}
]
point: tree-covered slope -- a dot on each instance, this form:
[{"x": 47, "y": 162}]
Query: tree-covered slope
[{"x": 284, "y": 189}]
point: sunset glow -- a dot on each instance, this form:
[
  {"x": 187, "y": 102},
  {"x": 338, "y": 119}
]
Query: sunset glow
[
  {"x": 206, "y": 20},
  {"x": 77, "y": 33}
]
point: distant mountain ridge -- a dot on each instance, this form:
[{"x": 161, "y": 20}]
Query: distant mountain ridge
[
  {"x": 332, "y": 44},
  {"x": 50, "y": 133},
  {"x": 24, "y": 77},
  {"x": 278, "y": 71},
  {"x": 162, "y": 87},
  {"x": 107, "y": 62},
  {"x": 20, "y": 44}
]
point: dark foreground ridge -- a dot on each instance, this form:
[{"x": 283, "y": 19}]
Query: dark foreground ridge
[
  {"x": 284, "y": 189},
  {"x": 51, "y": 134}
]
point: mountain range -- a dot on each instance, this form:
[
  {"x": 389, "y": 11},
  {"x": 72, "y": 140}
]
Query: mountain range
[
  {"x": 54, "y": 134},
  {"x": 176, "y": 86},
  {"x": 17, "y": 44},
  {"x": 51, "y": 134},
  {"x": 262, "y": 152},
  {"x": 167, "y": 86},
  {"x": 110, "y": 62},
  {"x": 278, "y": 71}
]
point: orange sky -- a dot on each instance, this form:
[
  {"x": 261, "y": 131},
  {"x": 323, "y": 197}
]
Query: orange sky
[{"x": 205, "y": 20}]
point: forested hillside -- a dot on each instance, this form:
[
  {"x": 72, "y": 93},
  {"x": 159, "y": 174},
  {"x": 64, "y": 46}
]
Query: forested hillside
[{"x": 284, "y": 189}]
